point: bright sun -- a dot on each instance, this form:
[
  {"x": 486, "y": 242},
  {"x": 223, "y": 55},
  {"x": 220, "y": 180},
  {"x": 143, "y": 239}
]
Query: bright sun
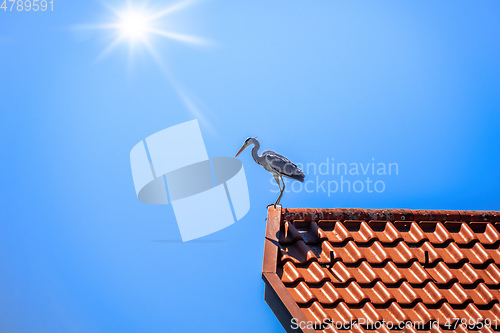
[
  {"x": 139, "y": 26},
  {"x": 134, "y": 25}
]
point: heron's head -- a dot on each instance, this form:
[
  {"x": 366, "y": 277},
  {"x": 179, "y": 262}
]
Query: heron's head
[{"x": 246, "y": 144}]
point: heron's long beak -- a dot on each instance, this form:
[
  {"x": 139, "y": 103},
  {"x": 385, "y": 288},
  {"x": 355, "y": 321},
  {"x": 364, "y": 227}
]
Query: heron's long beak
[{"x": 242, "y": 148}]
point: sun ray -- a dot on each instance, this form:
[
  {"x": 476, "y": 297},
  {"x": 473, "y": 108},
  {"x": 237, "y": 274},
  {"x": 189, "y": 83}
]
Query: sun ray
[
  {"x": 192, "y": 106},
  {"x": 101, "y": 26},
  {"x": 159, "y": 61},
  {"x": 108, "y": 49},
  {"x": 180, "y": 37},
  {"x": 172, "y": 9}
]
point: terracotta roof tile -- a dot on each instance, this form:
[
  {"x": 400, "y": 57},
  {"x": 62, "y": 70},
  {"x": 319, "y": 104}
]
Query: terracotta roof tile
[
  {"x": 358, "y": 265},
  {"x": 326, "y": 294}
]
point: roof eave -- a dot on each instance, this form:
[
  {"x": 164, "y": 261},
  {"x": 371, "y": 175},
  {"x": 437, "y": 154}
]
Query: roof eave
[{"x": 276, "y": 295}]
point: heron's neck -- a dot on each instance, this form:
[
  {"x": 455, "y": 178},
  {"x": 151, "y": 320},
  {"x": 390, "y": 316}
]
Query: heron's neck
[{"x": 255, "y": 152}]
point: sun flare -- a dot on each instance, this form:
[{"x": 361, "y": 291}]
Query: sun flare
[
  {"x": 134, "y": 25},
  {"x": 141, "y": 27}
]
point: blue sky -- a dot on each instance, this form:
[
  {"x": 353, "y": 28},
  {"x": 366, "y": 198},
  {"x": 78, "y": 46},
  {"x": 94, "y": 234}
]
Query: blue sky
[{"x": 412, "y": 83}]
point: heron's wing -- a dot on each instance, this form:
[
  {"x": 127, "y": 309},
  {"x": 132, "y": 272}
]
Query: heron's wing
[
  {"x": 282, "y": 165},
  {"x": 273, "y": 154}
]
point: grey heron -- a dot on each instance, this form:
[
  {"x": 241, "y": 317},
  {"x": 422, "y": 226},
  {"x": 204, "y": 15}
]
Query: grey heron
[{"x": 277, "y": 164}]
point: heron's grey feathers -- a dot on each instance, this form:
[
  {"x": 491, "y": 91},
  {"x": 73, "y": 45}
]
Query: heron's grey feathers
[{"x": 279, "y": 164}]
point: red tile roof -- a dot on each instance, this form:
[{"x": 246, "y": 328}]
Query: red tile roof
[{"x": 380, "y": 266}]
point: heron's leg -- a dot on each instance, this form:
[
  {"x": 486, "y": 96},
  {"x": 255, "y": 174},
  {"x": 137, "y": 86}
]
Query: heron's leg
[
  {"x": 276, "y": 178},
  {"x": 283, "y": 188},
  {"x": 278, "y": 201},
  {"x": 281, "y": 194}
]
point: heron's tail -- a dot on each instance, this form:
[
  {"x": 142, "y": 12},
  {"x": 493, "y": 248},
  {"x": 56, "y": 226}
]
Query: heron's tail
[{"x": 299, "y": 177}]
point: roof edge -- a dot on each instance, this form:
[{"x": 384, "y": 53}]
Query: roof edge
[
  {"x": 276, "y": 295},
  {"x": 389, "y": 214}
]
